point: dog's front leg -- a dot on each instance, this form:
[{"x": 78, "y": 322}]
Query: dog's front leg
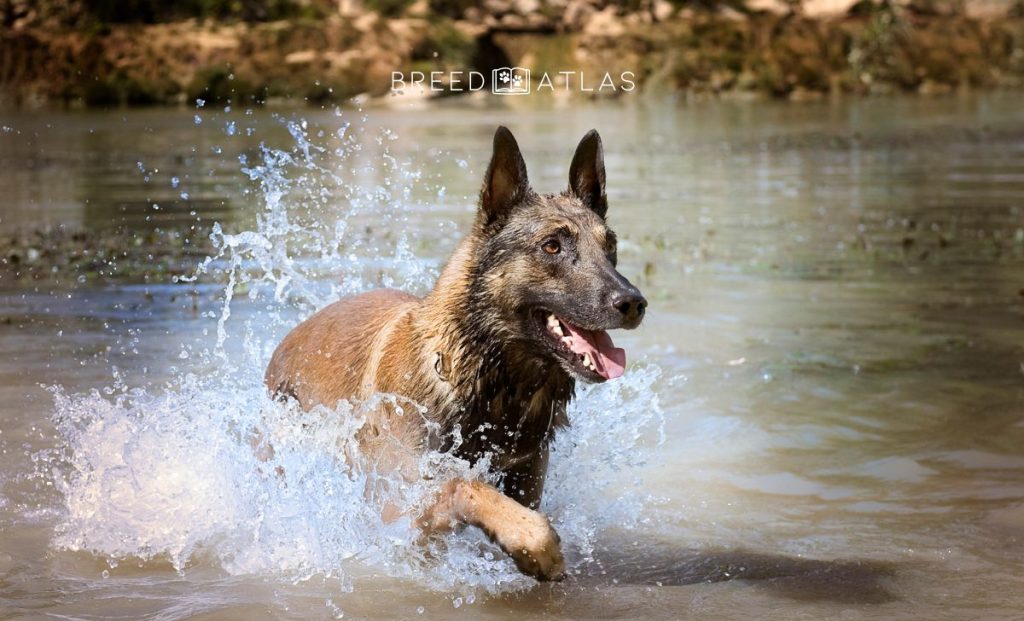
[{"x": 524, "y": 534}]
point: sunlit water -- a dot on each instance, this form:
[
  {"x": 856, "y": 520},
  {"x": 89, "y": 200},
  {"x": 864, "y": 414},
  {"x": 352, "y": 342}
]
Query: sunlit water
[{"x": 823, "y": 415}]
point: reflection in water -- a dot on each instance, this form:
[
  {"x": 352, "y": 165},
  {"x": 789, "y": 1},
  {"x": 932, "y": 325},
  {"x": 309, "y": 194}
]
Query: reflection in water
[
  {"x": 661, "y": 564},
  {"x": 836, "y": 310}
]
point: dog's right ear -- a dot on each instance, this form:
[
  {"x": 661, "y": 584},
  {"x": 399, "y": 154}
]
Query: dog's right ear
[
  {"x": 505, "y": 183},
  {"x": 586, "y": 174}
]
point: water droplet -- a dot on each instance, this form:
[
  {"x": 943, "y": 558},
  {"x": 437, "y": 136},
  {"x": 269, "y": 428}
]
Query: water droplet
[
  {"x": 214, "y": 474},
  {"x": 175, "y": 182},
  {"x": 198, "y": 119}
]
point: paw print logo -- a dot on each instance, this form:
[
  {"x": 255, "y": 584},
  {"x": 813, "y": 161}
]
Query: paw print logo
[{"x": 510, "y": 81}]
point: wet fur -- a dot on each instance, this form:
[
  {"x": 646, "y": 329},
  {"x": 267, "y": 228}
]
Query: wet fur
[{"x": 467, "y": 354}]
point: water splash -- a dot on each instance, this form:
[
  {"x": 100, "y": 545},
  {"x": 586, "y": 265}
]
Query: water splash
[{"x": 170, "y": 474}]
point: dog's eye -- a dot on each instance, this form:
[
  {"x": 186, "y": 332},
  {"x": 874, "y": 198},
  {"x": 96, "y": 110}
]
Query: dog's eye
[{"x": 552, "y": 246}]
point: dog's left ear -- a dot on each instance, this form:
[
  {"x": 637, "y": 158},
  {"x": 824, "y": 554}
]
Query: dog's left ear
[{"x": 586, "y": 174}]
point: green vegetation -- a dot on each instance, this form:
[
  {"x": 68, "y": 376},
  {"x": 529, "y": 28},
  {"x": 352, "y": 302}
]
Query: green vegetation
[
  {"x": 452, "y": 9},
  {"x": 152, "y": 11},
  {"x": 443, "y": 47},
  {"x": 388, "y": 8},
  {"x": 118, "y": 89},
  {"x": 219, "y": 85},
  {"x": 878, "y": 52}
]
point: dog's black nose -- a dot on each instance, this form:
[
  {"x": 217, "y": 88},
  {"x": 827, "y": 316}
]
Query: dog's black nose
[{"x": 632, "y": 306}]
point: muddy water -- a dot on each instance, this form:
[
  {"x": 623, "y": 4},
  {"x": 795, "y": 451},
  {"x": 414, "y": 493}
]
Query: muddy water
[{"x": 823, "y": 417}]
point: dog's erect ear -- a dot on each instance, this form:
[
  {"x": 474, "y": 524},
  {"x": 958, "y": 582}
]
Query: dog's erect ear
[
  {"x": 586, "y": 174},
  {"x": 505, "y": 183}
]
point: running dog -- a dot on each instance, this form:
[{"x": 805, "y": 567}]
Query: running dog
[{"x": 519, "y": 314}]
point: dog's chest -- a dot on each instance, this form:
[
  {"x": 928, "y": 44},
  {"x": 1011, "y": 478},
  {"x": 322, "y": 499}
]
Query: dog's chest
[{"x": 510, "y": 421}]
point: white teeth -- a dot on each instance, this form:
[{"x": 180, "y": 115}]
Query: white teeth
[
  {"x": 554, "y": 325},
  {"x": 556, "y": 328},
  {"x": 588, "y": 362}
]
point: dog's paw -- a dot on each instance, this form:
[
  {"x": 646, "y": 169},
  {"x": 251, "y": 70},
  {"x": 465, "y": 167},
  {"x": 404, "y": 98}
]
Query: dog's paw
[{"x": 534, "y": 546}]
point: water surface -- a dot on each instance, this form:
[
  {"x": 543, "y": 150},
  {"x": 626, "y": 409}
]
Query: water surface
[{"x": 823, "y": 416}]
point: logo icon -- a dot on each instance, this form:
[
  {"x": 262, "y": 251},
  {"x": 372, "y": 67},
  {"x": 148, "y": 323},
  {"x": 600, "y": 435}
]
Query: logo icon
[{"x": 510, "y": 81}]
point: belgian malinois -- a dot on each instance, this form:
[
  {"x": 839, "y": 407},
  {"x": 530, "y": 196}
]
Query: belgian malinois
[{"x": 517, "y": 316}]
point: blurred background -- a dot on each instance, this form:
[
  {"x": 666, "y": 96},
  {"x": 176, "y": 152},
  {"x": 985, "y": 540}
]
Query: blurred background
[{"x": 110, "y": 52}]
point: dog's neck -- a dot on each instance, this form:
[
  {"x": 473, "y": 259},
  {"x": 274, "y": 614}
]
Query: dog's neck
[{"x": 499, "y": 390}]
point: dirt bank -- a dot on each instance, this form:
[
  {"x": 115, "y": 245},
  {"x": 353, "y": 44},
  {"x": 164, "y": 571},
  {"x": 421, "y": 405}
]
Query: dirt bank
[{"x": 764, "y": 47}]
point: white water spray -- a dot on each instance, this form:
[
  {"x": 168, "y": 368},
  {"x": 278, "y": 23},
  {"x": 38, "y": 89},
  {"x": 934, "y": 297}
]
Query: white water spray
[{"x": 168, "y": 474}]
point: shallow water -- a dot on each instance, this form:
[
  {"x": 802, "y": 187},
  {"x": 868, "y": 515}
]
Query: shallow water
[{"x": 823, "y": 416}]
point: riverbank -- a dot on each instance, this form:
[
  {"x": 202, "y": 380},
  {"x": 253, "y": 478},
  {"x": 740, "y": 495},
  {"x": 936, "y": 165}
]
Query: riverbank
[{"x": 779, "y": 50}]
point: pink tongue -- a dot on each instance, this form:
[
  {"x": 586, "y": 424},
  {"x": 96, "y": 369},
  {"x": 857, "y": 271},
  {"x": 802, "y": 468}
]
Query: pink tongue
[{"x": 609, "y": 359}]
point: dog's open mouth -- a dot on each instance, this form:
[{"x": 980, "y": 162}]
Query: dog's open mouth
[{"x": 590, "y": 353}]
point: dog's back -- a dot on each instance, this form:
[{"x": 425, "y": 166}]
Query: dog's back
[{"x": 337, "y": 353}]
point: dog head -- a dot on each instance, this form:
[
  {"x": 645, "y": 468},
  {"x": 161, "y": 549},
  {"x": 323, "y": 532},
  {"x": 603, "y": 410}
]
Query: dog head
[{"x": 547, "y": 262}]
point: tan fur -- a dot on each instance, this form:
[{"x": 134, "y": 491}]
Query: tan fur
[{"x": 388, "y": 341}]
